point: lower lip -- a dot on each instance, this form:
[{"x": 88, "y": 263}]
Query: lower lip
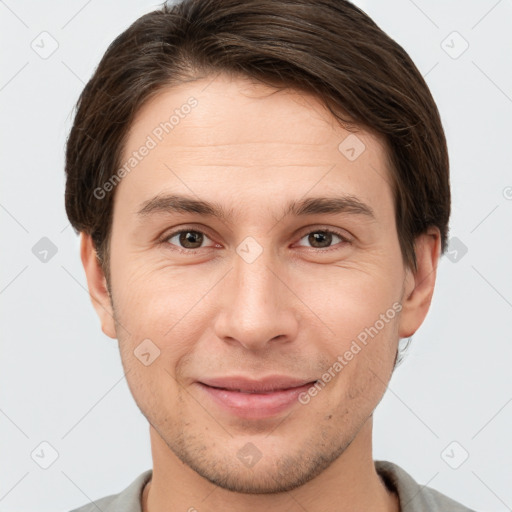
[{"x": 255, "y": 405}]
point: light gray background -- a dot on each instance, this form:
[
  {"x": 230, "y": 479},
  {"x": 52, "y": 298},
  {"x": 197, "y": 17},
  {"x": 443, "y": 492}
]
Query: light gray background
[{"x": 61, "y": 380}]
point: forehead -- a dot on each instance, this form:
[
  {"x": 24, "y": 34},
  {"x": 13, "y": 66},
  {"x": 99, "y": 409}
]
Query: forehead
[
  {"x": 238, "y": 136},
  {"x": 229, "y": 110}
]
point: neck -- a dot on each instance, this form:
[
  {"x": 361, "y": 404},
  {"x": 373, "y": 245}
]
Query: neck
[{"x": 349, "y": 483}]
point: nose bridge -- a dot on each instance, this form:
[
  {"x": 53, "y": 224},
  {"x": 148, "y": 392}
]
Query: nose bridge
[
  {"x": 254, "y": 282},
  {"x": 257, "y": 307}
]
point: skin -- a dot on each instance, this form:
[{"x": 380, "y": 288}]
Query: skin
[{"x": 291, "y": 311}]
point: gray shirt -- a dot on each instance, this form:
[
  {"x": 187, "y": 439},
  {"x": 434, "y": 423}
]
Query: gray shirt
[{"x": 412, "y": 496}]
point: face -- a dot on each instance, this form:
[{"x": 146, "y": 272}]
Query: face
[{"x": 292, "y": 268}]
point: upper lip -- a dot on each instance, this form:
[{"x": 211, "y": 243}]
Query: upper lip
[{"x": 265, "y": 384}]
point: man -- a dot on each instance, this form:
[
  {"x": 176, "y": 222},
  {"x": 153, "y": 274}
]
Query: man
[{"x": 262, "y": 192}]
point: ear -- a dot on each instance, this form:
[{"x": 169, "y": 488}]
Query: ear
[
  {"x": 97, "y": 285},
  {"x": 419, "y": 285}
]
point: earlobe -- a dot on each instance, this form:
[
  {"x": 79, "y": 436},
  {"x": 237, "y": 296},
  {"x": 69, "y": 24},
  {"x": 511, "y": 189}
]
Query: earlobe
[
  {"x": 419, "y": 285},
  {"x": 97, "y": 285}
]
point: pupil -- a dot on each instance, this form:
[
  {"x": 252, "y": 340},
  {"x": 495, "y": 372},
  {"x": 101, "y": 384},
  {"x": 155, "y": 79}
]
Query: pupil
[
  {"x": 314, "y": 238},
  {"x": 191, "y": 239}
]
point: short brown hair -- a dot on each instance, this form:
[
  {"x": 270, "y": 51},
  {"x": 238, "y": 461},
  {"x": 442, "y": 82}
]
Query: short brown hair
[{"x": 329, "y": 48}]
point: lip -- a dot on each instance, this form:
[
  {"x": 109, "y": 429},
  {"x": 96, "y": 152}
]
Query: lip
[
  {"x": 255, "y": 399},
  {"x": 261, "y": 385}
]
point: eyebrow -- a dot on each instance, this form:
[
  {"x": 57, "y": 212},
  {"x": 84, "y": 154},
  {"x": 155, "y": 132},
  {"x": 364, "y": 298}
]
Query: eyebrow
[{"x": 347, "y": 204}]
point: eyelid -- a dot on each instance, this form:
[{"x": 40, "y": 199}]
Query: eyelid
[
  {"x": 345, "y": 238},
  {"x": 170, "y": 234},
  {"x": 342, "y": 233}
]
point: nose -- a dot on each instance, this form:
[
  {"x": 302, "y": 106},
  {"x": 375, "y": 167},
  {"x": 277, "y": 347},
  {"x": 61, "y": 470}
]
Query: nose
[{"x": 257, "y": 306}]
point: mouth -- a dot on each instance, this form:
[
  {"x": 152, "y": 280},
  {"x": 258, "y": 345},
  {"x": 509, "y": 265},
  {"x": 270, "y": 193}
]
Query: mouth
[
  {"x": 269, "y": 384},
  {"x": 254, "y": 399},
  {"x": 253, "y": 392}
]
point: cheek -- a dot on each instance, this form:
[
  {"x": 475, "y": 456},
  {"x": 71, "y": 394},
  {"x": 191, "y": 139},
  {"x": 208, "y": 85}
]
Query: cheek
[
  {"x": 153, "y": 348},
  {"x": 161, "y": 311},
  {"x": 363, "y": 311},
  {"x": 361, "y": 373},
  {"x": 350, "y": 301},
  {"x": 152, "y": 299}
]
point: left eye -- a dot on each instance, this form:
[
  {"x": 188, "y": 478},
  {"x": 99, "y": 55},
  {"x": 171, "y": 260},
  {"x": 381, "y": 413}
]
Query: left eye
[
  {"x": 188, "y": 238},
  {"x": 320, "y": 239}
]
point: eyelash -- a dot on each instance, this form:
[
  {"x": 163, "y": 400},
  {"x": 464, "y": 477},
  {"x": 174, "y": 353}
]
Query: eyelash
[{"x": 165, "y": 240}]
